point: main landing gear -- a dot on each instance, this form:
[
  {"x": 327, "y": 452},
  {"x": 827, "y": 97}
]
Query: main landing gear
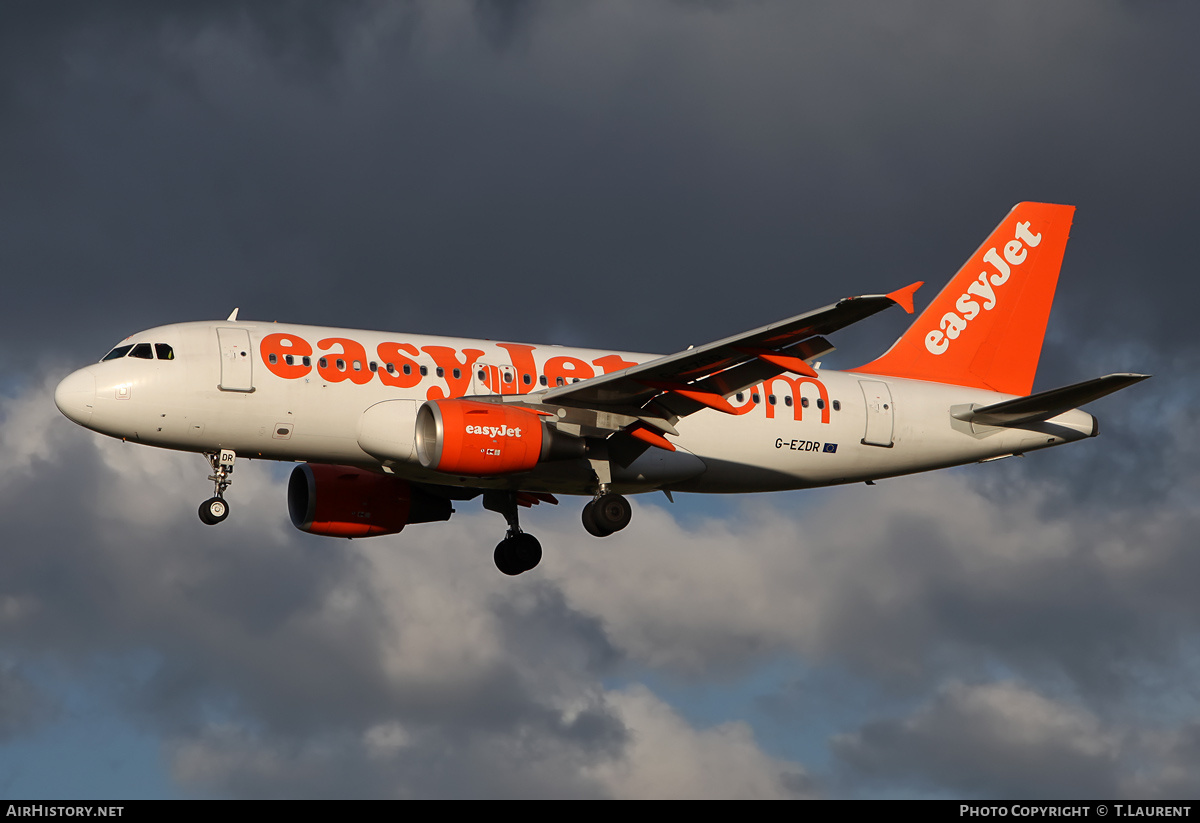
[
  {"x": 607, "y": 514},
  {"x": 519, "y": 551},
  {"x": 215, "y": 509}
]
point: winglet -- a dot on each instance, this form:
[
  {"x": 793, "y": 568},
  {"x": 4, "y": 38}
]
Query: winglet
[{"x": 904, "y": 297}]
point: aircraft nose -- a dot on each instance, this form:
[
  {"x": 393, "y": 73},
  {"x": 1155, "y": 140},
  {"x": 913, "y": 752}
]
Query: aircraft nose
[{"x": 76, "y": 396}]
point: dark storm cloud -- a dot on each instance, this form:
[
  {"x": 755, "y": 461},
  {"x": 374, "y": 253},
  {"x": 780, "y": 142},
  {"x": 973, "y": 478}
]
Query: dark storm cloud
[{"x": 357, "y": 158}]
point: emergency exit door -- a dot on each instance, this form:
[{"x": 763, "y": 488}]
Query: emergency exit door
[
  {"x": 879, "y": 413},
  {"x": 236, "y": 360}
]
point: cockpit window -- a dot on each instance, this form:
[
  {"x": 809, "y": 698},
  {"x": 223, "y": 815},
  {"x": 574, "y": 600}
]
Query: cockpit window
[
  {"x": 143, "y": 351},
  {"x": 164, "y": 351},
  {"x": 118, "y": 352}
]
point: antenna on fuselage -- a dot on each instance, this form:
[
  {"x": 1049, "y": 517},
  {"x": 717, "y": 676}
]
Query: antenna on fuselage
[{"x": 232, "y": 316}]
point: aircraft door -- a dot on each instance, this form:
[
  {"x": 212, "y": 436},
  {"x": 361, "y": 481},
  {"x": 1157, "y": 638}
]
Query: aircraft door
[
  {"x": 488, "y": 379},
  {"x": 879, "y": 413},
  {"x": 236, "y": 360}
]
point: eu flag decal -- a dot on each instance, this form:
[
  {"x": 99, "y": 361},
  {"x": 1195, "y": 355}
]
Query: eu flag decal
[{"x": 830, "y": 448}]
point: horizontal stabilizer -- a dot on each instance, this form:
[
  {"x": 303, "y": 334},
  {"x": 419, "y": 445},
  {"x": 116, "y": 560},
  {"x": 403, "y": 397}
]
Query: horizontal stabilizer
[{"x": 1044, "y": 405}]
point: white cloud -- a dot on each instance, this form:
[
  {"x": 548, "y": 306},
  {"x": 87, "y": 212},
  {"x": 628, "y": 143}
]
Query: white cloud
[
  {"x": 998, "y": 739},
  {"x": 668, "y": 758}
]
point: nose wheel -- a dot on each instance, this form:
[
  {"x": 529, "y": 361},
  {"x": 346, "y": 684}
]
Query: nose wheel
[{"x": 215, "y": 509}]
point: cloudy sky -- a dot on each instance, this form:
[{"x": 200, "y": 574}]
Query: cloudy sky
[{"x": 634, "y": 175}]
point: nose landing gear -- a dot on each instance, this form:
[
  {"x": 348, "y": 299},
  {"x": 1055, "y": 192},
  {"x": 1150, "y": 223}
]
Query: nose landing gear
[{"x": 215, "y": 509}]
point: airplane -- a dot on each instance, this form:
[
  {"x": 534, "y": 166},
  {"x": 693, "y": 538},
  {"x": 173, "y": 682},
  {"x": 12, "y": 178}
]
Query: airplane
[{"x": 391, "y": 430}]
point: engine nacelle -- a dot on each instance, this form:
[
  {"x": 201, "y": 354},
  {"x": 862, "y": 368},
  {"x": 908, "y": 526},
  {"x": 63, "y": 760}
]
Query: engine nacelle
[
  {"x": 469, "y": 437},
  {"x": 342, "y": 501}
]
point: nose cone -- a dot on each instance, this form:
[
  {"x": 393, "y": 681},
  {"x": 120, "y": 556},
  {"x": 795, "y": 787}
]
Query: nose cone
[{"x": 76, "y": 395}]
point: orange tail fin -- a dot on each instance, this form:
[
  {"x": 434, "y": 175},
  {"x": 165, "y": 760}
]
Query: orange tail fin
[{"x": 985, "y": 329}]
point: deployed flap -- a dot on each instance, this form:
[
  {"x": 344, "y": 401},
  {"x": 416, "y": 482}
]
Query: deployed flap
[
  {"x": 729, "y": 365},
  {"x": 1044, "y": 405}
]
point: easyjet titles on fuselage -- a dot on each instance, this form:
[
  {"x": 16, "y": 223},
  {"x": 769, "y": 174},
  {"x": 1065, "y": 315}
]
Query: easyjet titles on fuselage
[{"x": 341, "y": 359}]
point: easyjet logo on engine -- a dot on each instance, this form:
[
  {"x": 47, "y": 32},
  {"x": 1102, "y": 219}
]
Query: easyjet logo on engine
[
  {"x": 954, "y": 323},
  {"x": 494, "y": 431}
]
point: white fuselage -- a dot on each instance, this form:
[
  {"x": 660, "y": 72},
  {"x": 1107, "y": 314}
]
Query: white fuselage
[{"x": 299, "y": 393}]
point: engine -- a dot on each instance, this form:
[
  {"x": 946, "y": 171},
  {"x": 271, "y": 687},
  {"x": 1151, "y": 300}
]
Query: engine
[
  {"x": 469, "y": 437},
  {"x": 342, "y": 501}
]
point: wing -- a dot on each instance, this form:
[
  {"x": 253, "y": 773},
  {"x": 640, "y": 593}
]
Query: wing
[{"x": 646, "y": 400}]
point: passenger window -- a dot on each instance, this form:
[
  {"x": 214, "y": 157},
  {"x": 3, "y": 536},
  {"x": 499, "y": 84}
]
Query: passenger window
[
  {"x": 457, "y": 374},
  {"x": 373, "y": 366},
  {"x": 804, "y": 402},
  {"x": 287, "y": 358},
  {"x": 306, "y": 360},
  {"x": 323, "y": 363},
  {"x": 754, "y": 397},
  {"x": 740, "y": 397},
  {"x": 441, "y": 372},
  {"x": 391, "y": 369},
  {"x": 771, "y": 399},
  {"x": 117, "y": 353},
  {"x": 558, "y": 381},
  {"x": 542, "y": 380},
  {"x": 481, "y": 374},
  {"x": 164, "y": 351},
  {"x": 142, "y": 351},
  {"x": 407, "y": 368},
  {"x": 425, "y": 370},
  {"x": 787, "y": 401},
  {"x": 837, "y": 406},
  {"x": 341, "y": 364},
  {"x": 527, "y": 379},
  {"x": 357, "y": 365},
  {"x": 820, "y": 403},
  {"x": 272, "y": 359}
]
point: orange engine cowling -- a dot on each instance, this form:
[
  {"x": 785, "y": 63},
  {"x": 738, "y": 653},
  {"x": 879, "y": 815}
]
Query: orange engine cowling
[
  {"x": 342, "y": 501},
  {"x": 469, "y": 437}
]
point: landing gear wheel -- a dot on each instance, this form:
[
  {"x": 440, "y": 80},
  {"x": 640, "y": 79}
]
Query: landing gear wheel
[
  {"x": 213, "y": 511},
  {"x": 610, "y": 512},
  {"x": 517, "y": 553},
  {"x": 589, "y": 521}
]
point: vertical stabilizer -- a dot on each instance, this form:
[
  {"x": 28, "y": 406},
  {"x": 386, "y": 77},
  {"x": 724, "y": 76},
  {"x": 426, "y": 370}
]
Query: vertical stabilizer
[{"x": 985, "y": 329}]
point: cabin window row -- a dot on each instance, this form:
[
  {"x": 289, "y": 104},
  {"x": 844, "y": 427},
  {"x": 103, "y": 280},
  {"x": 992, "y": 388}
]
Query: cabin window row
[
  {"x": 756, "y": 398},
  {"x": 357, "y": 365}
]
